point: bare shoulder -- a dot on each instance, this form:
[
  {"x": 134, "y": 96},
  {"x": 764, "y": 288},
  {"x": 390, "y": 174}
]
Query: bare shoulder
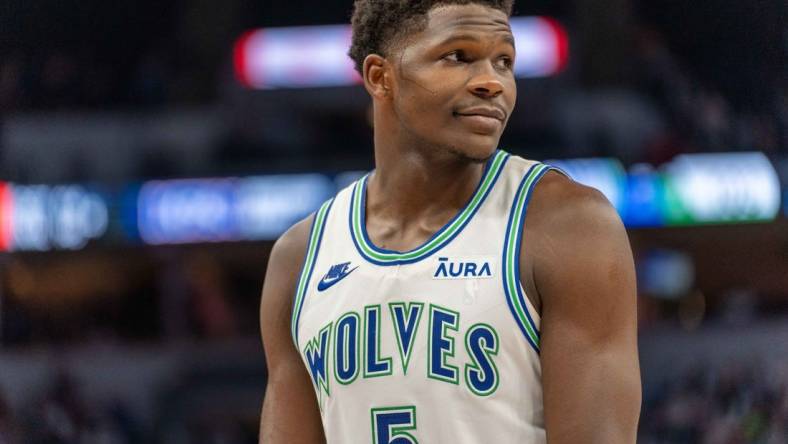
[
  {"x": 565, "y": 216},
  {"x": 291, "y": 245},
  {"x": 559, "y": 203},
  {"x": 284, "y": 266},
  {"x": 568, "y": 228}
]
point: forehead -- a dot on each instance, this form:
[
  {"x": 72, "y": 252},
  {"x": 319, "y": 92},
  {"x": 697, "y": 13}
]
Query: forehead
[{"x": 447, "y": 20}]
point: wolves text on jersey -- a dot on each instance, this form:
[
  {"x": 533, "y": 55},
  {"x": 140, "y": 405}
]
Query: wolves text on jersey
[{"x": 349, "y": 347}]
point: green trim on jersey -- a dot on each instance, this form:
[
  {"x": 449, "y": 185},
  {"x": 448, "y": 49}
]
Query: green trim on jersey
[
  {"x": 397, "y": 432},
  {"x": 455, "y": 326},
  {"x": 388, "y": 257},
  {"x": 405, "y": 352},
  {"x": 511, "y": 272},
  {"x": 338, "y": 362},
  {"x": 387, "y": 361},
  {"x": 309, "y": 263},
  {"x": 475, "y": 367}
]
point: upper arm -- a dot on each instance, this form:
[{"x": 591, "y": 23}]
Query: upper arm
[
  {"x": 290, "y": 410},
  {"x": 583, "y": 271}
]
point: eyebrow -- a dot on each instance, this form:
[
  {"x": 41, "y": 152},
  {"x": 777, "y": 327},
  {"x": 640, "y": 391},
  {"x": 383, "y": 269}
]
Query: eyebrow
[{"x": 508, "y": 38}]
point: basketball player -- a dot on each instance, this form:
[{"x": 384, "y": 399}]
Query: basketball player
[{"x": 457, "y": 293}]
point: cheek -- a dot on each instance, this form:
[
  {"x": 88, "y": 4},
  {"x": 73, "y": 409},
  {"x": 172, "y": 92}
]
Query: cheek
[
  {"x": 510, "y": 93},
  {"x": 427, "y": 89},
  {"x": 426, "y": 104}
]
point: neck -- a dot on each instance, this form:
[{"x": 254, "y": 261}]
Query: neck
[{"x": 416, "y": 183}]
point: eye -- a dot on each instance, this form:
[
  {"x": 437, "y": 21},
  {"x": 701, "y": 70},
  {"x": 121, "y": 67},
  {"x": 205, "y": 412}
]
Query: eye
[
  {"x": 506, "y": 62},
  {"x": 455, "y": 56}
]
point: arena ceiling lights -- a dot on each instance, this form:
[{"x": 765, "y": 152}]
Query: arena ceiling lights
[{"x": 316, "y": 56}]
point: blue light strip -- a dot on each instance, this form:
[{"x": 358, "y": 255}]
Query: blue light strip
[{"x": 692, "y": 189}]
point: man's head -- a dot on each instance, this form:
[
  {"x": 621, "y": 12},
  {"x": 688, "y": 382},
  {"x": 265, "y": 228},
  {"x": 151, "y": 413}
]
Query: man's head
[{"x": 440, "y": 72}]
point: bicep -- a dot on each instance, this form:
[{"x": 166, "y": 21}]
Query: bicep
[
  {"x": 290, "y": 410},
  {"x": 586, "y": 280}
]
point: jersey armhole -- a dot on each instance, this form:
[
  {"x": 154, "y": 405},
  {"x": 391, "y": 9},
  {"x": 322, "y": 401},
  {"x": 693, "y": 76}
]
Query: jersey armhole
[
  {"x": 520, "y": 306},
  {"x": 310, "y": 258}
]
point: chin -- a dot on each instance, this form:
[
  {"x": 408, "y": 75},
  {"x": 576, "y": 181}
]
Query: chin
[{"x": 476, "y": 149}]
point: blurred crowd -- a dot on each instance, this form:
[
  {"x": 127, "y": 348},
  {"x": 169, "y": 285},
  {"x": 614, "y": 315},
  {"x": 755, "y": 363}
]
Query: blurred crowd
[
  {"x": 60, "y": 415},
  {"x": 699, "y": 116},
  {"x": 657, "y": 104},
  {"x": 63, "y": 80},
  {"x": 169, "y": 295},
  {"x": 134, "y": 349},
  {"x": 742, "y": 402},
  {"x": 58, "y": 56}
]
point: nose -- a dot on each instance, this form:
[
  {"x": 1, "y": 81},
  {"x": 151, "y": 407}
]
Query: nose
[{"x": 485, "y": 85}]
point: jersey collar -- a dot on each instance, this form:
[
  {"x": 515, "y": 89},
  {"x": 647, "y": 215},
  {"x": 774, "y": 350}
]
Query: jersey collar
[{"x": 380, "y": 256}]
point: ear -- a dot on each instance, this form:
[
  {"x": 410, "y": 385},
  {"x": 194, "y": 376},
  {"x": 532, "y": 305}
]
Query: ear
[{"x": 377, "y": 79}]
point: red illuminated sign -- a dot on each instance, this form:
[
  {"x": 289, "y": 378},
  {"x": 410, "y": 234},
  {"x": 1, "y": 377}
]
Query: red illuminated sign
[
  {"x": 316, "y": 56},
  {"x": 6, "y": 216}
]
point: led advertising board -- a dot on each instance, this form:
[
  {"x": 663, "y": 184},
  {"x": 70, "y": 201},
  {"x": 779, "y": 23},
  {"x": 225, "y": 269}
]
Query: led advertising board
[
  {"x": 43, "y": 217},
  {"x": 720, "y": 188},
  {"x": 316, "y": 56},
  {"x": 214, "y": 210}
]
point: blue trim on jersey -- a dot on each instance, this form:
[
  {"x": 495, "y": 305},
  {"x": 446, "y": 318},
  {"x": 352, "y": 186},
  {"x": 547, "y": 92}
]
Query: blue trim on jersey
[
  {"x": 436, "y": 234},
  {"x": 559, "y": 170},
  {"x": 518, "y": 245},
  {"x": 314, "y": 261}
]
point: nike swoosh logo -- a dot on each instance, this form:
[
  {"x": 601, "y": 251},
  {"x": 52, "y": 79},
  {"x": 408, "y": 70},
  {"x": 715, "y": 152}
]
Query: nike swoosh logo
[{"x": 327, "y": 282}]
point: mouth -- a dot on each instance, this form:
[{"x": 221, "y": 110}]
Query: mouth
[
  {"x": 482, "y": 120},
  {"x": 484, "y": 112}
]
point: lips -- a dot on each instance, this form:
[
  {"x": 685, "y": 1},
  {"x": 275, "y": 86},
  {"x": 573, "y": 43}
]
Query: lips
[
  {"x": 485, "y": 111},
  {"x": 483, "y": 120}
]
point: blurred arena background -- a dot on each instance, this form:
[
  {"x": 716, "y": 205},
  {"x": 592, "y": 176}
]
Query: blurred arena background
[{"x": 151, "y": 151}]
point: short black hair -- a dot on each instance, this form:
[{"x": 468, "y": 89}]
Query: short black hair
[{"x": 379, "y": 23}]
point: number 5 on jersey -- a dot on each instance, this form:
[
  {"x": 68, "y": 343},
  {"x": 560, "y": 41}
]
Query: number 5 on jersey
[{"x": 390, "y": 425}]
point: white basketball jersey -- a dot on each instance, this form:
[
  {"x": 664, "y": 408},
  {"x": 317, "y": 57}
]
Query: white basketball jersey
[{"x": 435, "y": 345}]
